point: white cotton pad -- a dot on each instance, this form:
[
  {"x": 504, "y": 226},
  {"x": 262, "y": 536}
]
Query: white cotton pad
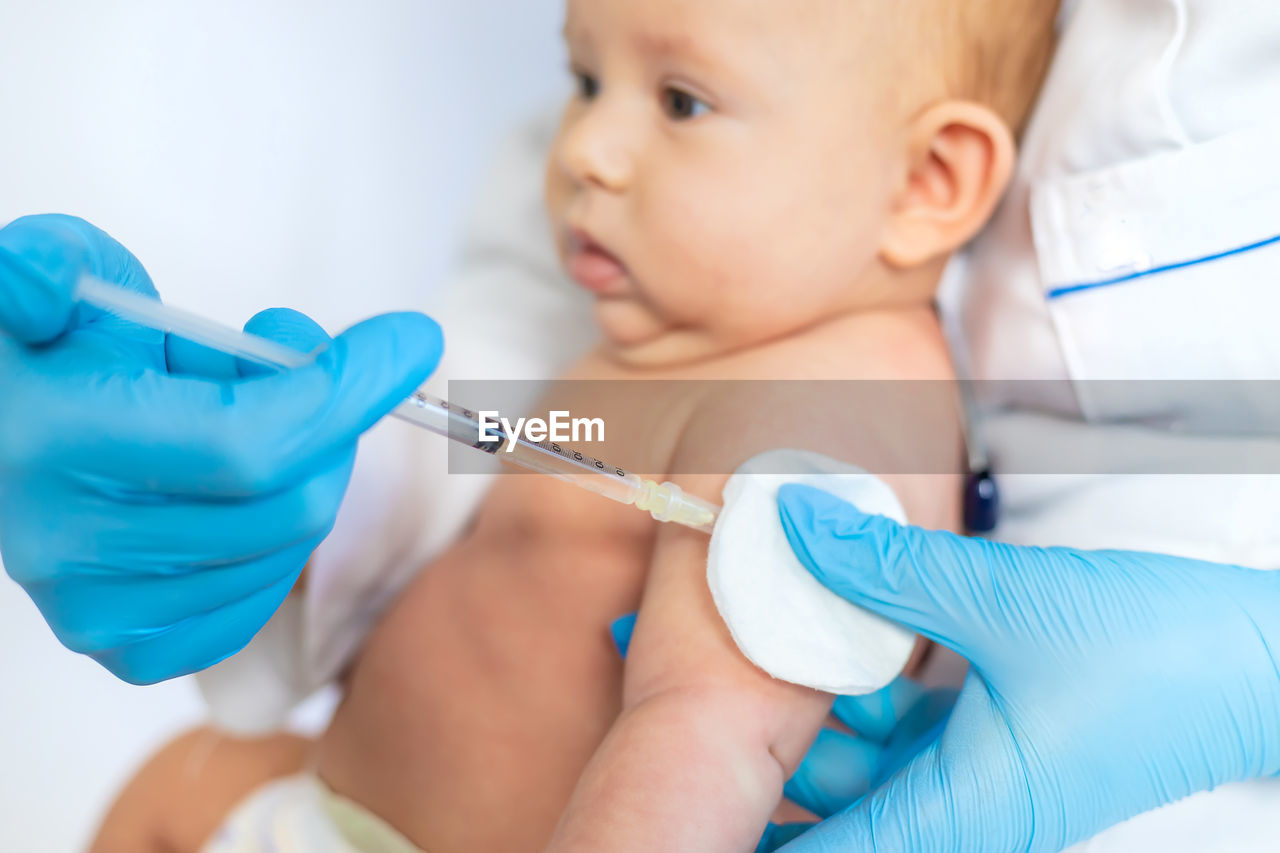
[{"x": 783, "y": 620}]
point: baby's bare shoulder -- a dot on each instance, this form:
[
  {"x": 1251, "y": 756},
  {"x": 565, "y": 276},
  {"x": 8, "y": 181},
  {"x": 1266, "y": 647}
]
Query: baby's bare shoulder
[{"x": 875, "y": 391}]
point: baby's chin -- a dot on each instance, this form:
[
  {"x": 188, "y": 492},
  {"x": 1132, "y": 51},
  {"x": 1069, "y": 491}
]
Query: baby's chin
[{"x": 636, "y": 336}]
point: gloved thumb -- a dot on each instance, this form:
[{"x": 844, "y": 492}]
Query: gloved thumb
[
  {"x": 377, "y": 364},
  {"x": 933, "y": 582}
]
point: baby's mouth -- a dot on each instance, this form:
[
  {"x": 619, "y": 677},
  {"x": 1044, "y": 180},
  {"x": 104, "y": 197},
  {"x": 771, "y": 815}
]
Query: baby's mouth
[{"x": 593, "y": 266}]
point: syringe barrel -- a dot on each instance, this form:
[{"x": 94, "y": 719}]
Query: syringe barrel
[
  {"x": 546, "y": 457},
  {"x": 444, "y": 418},
  {"x": 665, "y": 502},
  {"x": 573, "y": 466}
]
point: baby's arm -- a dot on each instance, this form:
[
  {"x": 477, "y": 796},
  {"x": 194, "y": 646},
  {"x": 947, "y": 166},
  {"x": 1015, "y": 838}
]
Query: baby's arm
[
  {"x": 705, "y": 741},
  {"x": 698, "y": 758}
]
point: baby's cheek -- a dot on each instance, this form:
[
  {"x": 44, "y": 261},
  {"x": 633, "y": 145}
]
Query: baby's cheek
[
  {"x": 691, "y": 263},
  {"x": 719, "y": 263},
  {"x": 761, "y": 294}
]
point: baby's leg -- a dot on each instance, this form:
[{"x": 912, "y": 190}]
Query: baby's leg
[{"x": 187, "y": 789}]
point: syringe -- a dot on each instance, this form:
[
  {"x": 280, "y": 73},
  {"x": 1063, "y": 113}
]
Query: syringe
[{"x": 665, "y": 501}]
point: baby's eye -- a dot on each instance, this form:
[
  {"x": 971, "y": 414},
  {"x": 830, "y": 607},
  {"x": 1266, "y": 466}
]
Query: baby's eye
[
  {"x": 681, "y": 106},
  {"x": 588, "y": 86}
]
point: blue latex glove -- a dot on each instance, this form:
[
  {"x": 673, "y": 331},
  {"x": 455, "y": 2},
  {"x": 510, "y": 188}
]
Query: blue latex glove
[
  {"x": 158, "y": 500},
  {"x": 1103, "y": 684},
  {"x": 890, "y": 725}
]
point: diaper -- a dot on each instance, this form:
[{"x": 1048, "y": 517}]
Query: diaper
[{"x": 299, "y": 814}]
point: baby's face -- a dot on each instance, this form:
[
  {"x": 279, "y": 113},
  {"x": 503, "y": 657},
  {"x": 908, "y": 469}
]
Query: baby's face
[{"x": 723, "y": 173}]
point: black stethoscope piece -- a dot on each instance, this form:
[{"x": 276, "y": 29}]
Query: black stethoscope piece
[{"x": 981, "y": 502}]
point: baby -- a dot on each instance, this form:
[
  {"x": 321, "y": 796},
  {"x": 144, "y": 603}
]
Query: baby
[{"x": 752, "y": 189}]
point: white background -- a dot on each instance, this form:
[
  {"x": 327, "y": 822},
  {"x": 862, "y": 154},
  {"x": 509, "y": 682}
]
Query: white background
[{"x": 252, "y": 153}]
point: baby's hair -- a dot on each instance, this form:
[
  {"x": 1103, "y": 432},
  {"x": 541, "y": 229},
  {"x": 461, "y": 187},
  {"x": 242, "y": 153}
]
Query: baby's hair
[{"x": 996, "y": 52}]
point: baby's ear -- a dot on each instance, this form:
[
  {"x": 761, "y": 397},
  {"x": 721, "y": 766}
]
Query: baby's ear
[{"x": 959, "y": 159}]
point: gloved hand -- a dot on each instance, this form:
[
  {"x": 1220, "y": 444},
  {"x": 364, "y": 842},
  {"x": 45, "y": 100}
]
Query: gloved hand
[
  {"x": 158, "y": 500},
  {"x": 890, "y": 725},
  {"x": 1103, "y": 684}
]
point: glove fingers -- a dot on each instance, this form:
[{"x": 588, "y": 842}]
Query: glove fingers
[
  {"x": 32, "y": 308},
  {"x": 906, "y": 815},
  {"x": 776, "y": 835},
  {"x": 174, "y": 560},
  {"x": 621, "y": 630},
  {"x": 151, "y": 432},
  {"x": 836, "y": 770},
  {"x": 201, "y": 641},
  {"x": 876, "y": 715},
  {"x": 119, "y": 606},
  {"x": 186, "y": 358},
  {"x": 177, "y": 534},
  {"x": 934, "y": 582},
  {"x": 948, "y": 795},
  {"x": 920, "y": 726},
  {"x": 839, "y": 768},
  {"x": 41, "y": 261}
]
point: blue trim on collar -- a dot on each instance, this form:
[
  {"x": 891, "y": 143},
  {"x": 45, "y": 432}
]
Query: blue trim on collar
[{"x": 1067, "y": 290}]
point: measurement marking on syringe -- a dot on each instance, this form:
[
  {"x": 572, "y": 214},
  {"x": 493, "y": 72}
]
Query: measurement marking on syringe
[
  {"x": 472, "y": 435},
  {"x": 577, "y": 456}
]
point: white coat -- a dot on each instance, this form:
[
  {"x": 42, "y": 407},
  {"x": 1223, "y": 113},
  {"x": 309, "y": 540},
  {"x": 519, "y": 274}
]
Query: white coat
[{"x": 1141, "y": 241}]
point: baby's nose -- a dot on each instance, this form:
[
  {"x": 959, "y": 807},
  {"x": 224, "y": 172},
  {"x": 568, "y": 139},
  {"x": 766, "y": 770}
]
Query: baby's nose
[{"x": 595, "y": 150}]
